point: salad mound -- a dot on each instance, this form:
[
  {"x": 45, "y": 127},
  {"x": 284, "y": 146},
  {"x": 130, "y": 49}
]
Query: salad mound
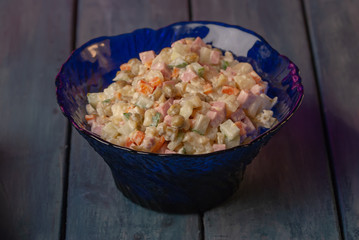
[{"x": 188, "y": 99}]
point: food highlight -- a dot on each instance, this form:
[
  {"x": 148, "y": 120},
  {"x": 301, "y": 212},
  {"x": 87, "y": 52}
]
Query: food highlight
[{"x": 188, "y": 99}]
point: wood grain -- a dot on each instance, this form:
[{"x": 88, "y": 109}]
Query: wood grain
[
  {"x": 287, "y": 191},
  {"x": 334, "y": 33},
  {"x": 34, "y": 43},
  {"x": 96, "y": 209}
]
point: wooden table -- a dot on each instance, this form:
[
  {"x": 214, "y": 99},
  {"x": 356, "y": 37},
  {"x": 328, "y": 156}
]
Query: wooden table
[{"x": 303, "y": 185}]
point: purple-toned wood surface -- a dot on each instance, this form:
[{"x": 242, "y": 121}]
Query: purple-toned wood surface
[
  {"x": 35, "y": 40},
  {"x": 334, "y": 33}
]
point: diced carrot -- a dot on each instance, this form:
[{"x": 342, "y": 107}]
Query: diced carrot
[
  {"x": 138, "y": 137},
  {"x": 118, "y": 96},
  {"x": 148, "y": 64},
  {"x": 255, "y": 76},
  {"x": 125, "y": 67},
  {"x": 90, "y": 117},
  {"x": 158, "y": 144},
  {"x": 242, "y": 131},
  {"x": 155, "y": 82},
  {"x": 230, "y": 90},
  {"x": 207, "y": 88},
  {"x": 175, "y": 72},
  {"x": 144, "y": 88},
  {"x": 128, "y": 142}
]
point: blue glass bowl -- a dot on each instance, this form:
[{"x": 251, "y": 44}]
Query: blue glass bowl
[{"x": 175, "y": 183}]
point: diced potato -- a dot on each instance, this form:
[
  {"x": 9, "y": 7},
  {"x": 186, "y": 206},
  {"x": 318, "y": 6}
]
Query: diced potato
[
  {"x": 211, "y": 133},
  {"x": 135, "y": 65},
  {"x": 244, "y": 82},
  {"x": 268, "y": 103},
  {"x": 242, "y": 68},
  {"x": 156, "y": 94},
  {"x": 181, "y": 87},
  {"x": 144, "y": 102},
  {"x": 164, "y": 56},
  {"x": 109, "y": 131},
  {"x": 195, "y": 101},
  {"x": 228, "y": 56},
  {"x": 231, "y": 102},
  {"x": 220, "y": 138},
  {"x": 127, "y": 91},
  {"x": 204, "y": 55},
  {"x": 261, "y": 102},
  {"x": 220, "y": 81},
  {"x": 255, "y": 107},
  {"x": 148, "y": 117},
  {"x": 265, "y": 119},
  {"x": 201, "y": 123},
  {"x": 161, "y": 128},
  {"x": 186, "y": 110},
  {"x": 111, "y": 90},
  {"x": 151, "y": 74},
  {"x": 90, "y": 109},
  {"x": 124, "y": 76},
  {"x": 151, "y": 131},
  {"x": 176, "y": 142},
  {"x": 119, "y": 108},
  {"x": 95, "y": 98},
  {"x": 196, "y": 67},
  {"x": 229, "y": 129},
  {"x": 232, "y": 143},
  {"x": 181, "y": 48},
  {"x": 171, "y": 133},
  {"x": 191, "y": 88}
]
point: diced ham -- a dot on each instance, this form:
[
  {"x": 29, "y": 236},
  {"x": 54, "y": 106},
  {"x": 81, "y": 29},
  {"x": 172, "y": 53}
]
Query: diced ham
[
  {"x": 242, "y": 128},
  {"x": 229, "y": 72},
  {"x": 168, "y": 151},
  {"x": 170, "y": 82},
  {"x": 245, "y": 98},
  {"x": 164, "y": 107},
  {"x": 177, "y": 101},
  {"x": 147, "y": 57},
  {"x": 188, "y": 75},
  {"x": 217, "y": 113},
  {"x": 214, "y": 57},
  {"x": 216, "y": 117},
  {"x": 163, "y": 68},
  {"x": 96, "y": 128},
  {"x": 167, "y": 120},
  {"x": 197, "y": 44},
  {"x": 163, "y": 148},
  {"x": 248, "y": 126},
  {"x": 259, "y": 88},
  {"x": 218, "y": 106},
  {"x": 238, "y": 115},
  {"x": 219, "y": 147}
]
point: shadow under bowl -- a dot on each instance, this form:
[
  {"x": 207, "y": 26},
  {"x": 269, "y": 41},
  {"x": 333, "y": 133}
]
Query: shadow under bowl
[{"x": 175, "y": 183}]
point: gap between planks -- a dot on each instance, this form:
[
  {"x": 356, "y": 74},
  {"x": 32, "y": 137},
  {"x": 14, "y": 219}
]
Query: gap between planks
[
  {"x": 315, "y": 67},
  {"x": 66, "y": 169}
]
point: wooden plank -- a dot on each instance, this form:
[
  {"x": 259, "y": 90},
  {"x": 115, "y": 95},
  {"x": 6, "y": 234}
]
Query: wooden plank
[
  {"x": 286, "y": 192},
  {"x": 334, "y": 33},
  {"x": 96, "y": 209},
  {"x": 35, "y": 41}
]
